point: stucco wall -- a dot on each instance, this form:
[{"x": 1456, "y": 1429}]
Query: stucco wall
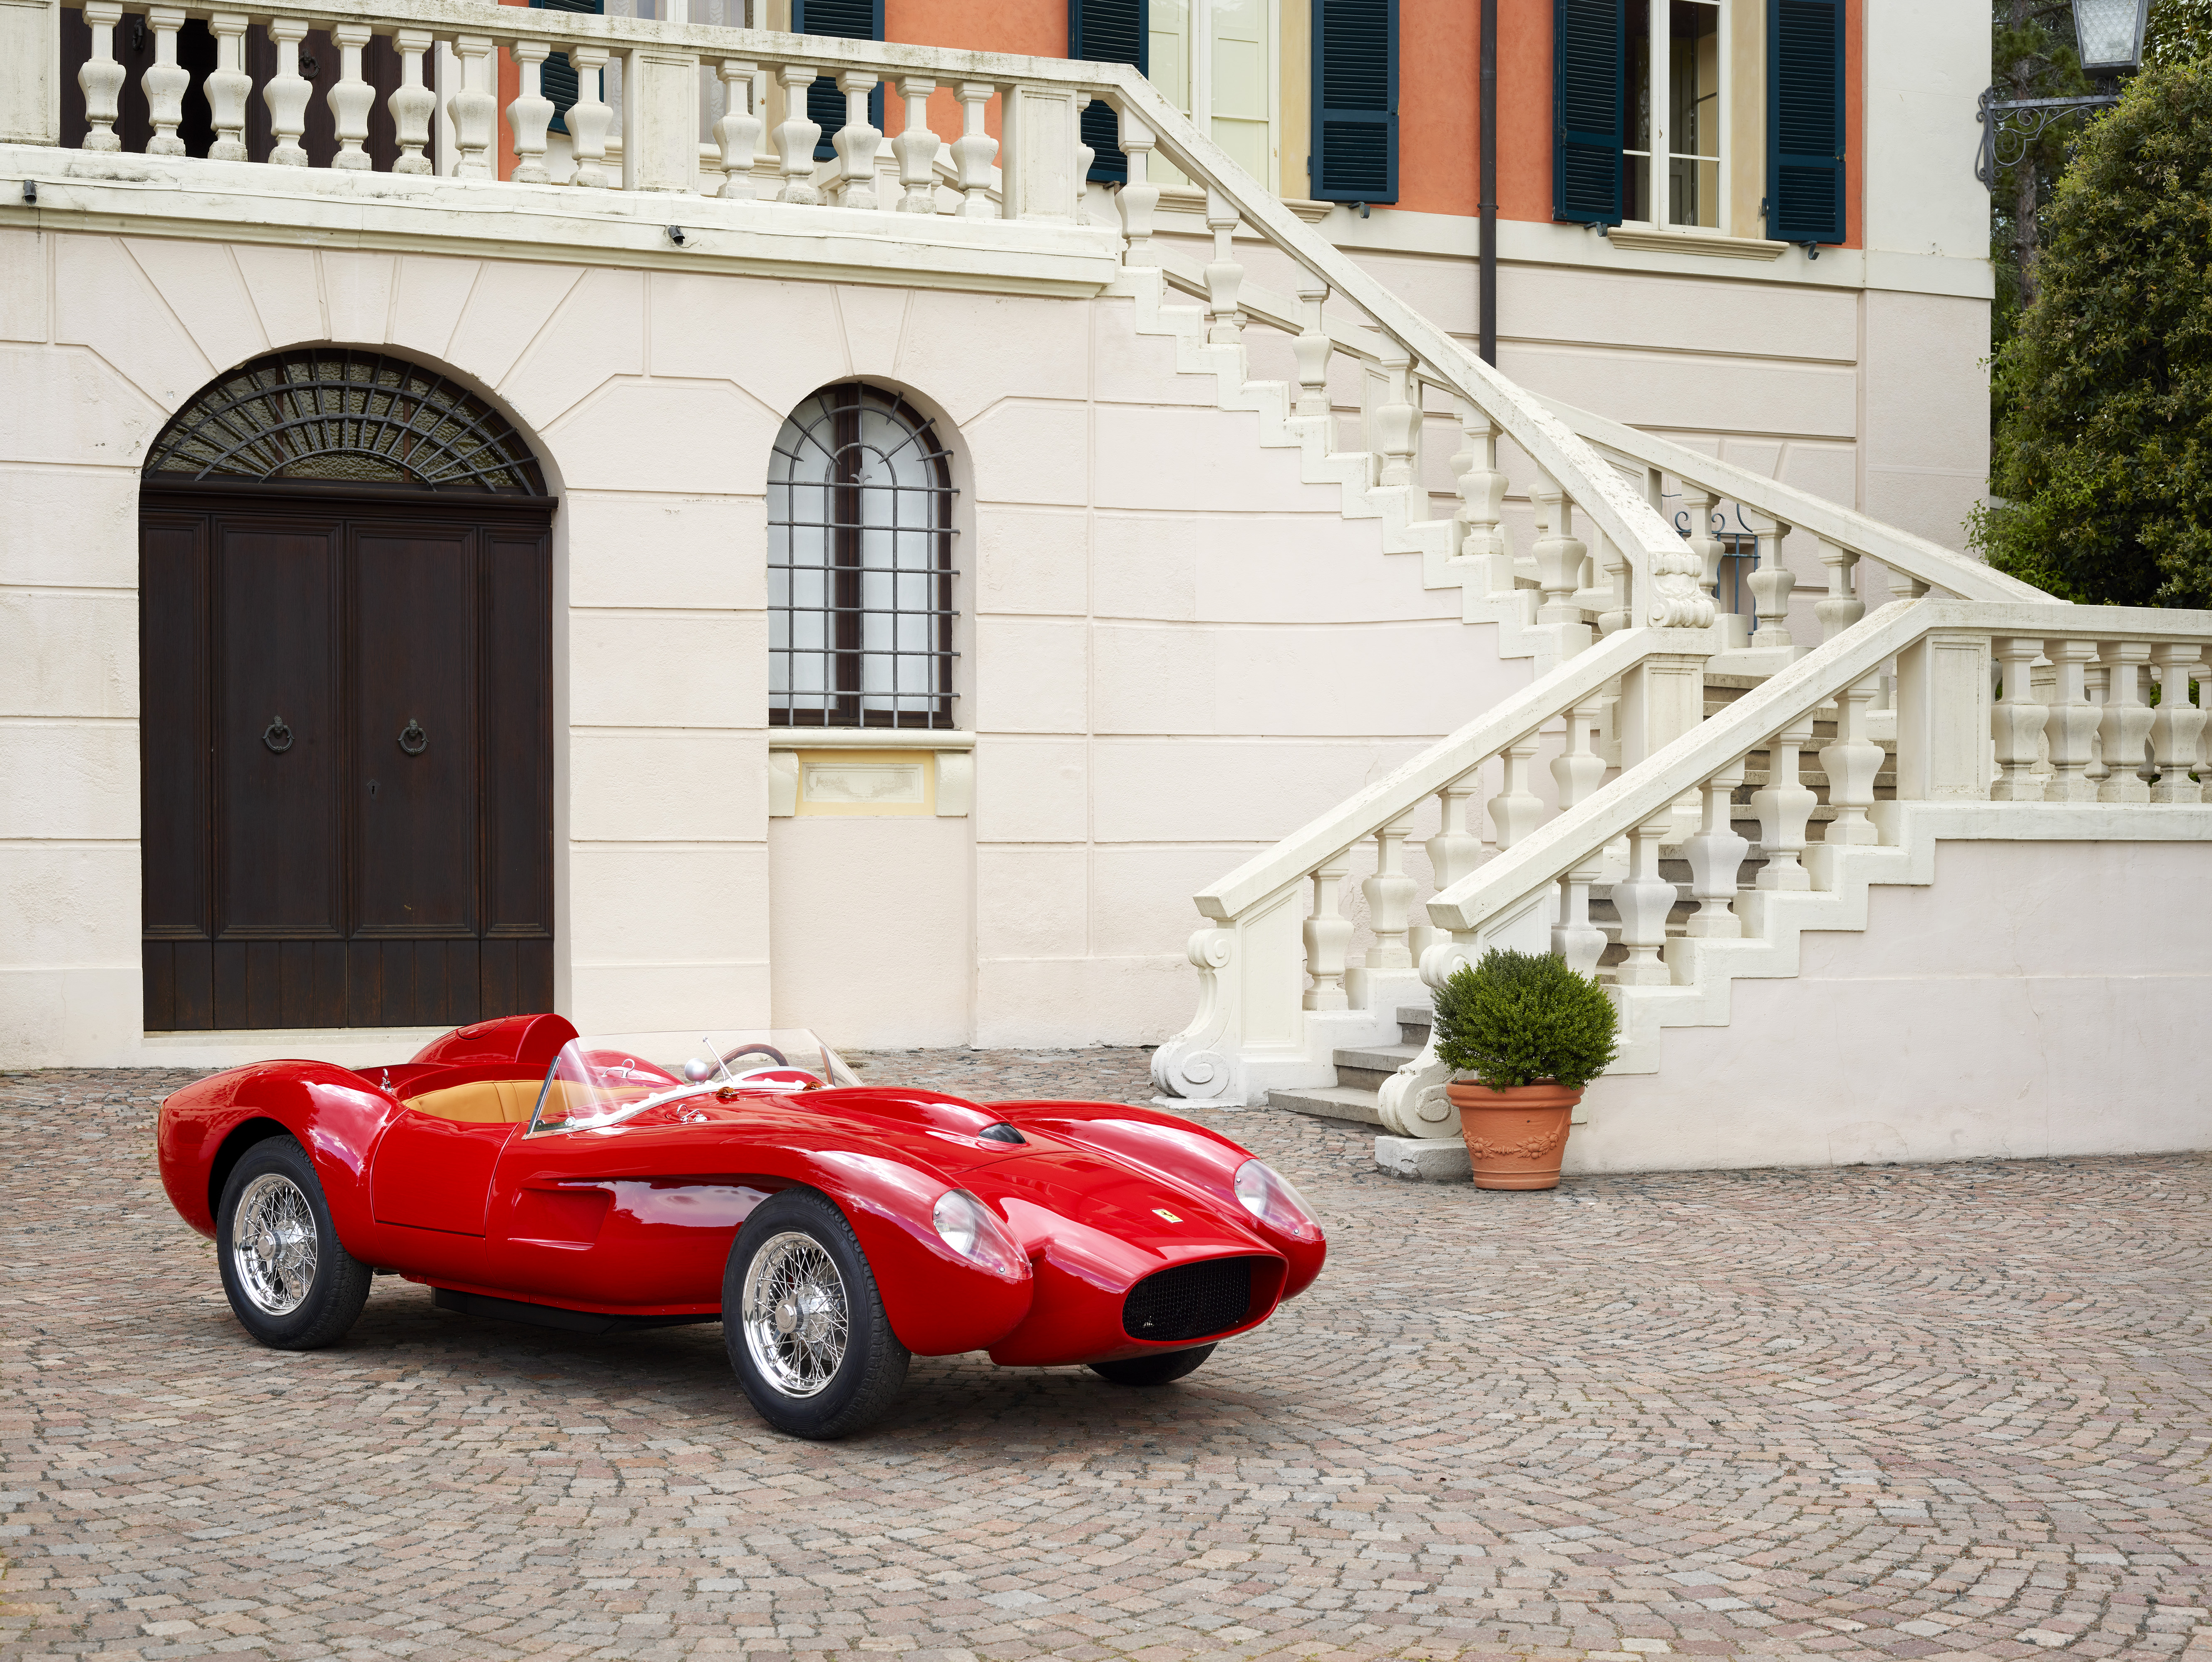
[
  {"x": 2027, "y": 1003},
  {"x": 1179, "y": 651}
]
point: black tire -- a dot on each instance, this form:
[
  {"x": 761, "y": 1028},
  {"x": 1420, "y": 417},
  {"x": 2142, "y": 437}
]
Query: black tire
[
  {"x": 1162, "y": 1368},
  {"x": 284, "y": 1300},
  {"x": 775, "y": 1362}
]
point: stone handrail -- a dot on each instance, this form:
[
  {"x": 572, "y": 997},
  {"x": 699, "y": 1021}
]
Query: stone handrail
[{"x": 1928, "y": 563}]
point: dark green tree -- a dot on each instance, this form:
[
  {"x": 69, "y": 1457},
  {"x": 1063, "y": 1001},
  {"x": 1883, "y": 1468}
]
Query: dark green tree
[{"x": 2102, "y": 470}]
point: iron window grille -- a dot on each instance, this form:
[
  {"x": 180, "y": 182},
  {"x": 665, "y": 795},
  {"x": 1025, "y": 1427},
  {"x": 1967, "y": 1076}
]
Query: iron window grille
[
  {"x": 859, "y": 565},
  {"x": 336, "y": 415}
]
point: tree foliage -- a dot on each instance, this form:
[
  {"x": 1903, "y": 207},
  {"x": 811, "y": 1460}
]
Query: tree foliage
[
  {"x": 1517, "y": 1018},
  {"x": 2103, "y": 463}
]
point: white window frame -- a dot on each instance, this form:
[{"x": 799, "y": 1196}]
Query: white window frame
[{"x": 1657, "y": 94}]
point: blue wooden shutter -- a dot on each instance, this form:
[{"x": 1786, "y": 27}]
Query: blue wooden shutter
[
  {"x": 557, "y": 77},
  {"x": 1806, "y": 131},
  {"x": 1355, "y": 101},
  {"x": 1108, "y": 32},
  {"x": 844, "y": 19},
  {"x": 1589, "y": 103}
]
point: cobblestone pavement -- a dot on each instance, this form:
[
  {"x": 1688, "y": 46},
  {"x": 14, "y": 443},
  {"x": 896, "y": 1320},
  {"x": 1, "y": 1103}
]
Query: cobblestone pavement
[{"x": 1888, "y": 1412}]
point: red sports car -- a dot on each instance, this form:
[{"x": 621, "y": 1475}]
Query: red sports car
[{"x": 834, "y": 1228}]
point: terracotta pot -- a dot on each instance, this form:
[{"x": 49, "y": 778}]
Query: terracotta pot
[{"x": 1515, "y": 1137}]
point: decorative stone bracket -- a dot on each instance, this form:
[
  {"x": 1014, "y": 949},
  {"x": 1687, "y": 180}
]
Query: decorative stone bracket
[{"x": 955, "y": 753}]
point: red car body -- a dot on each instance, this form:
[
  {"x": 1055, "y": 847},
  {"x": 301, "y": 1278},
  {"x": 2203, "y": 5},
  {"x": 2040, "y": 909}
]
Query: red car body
[{"x": 632, "y": 1224}]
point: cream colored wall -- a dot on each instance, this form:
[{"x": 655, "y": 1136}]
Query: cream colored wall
[
  {"x": 2025, "y": 1003},
  {"x": 1179, "y": 649}
]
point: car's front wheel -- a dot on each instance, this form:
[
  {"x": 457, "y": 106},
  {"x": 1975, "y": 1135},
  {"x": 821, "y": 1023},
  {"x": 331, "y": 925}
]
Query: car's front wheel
[
  {"x": 291, "y": 1284},
  {"x": 804, "y": 1324},
  {"x": 1161, "y": 1368}
]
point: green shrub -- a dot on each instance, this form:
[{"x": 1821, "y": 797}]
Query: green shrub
[
  {"x": 2102, "y": 467},
  {"x": 1518, "y": 1018}
]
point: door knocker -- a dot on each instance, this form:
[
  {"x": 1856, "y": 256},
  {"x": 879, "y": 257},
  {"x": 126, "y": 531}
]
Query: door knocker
[
  {"x": 412, "y": 738},
  {"x": 278, "y": 737}
]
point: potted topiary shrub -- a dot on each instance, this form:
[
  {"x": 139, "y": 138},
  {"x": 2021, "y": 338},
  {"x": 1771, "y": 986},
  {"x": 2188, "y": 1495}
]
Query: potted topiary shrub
[{"x": 1533, "y": 1033}]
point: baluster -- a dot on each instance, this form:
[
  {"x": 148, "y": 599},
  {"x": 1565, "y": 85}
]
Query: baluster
[
  {"x": 796, "y": 138},
  {"x": 1784, "y": 807},
  {"x": 1223, "y": 275},
  {"x": 916, "y": 147},
  {"x": 1452, "y": 852},
  {"x": 2179, "y": 728},
  {"x": 1327, "y": 936},
  {"x": 1715, "y": 854},
  {"x": 1904, "y": 585},
  {"x": 350, "y": 99},
  {"x": 1643, "y": 898},
  {"x": 1389, "y": 898},
  {"x": 1312, "y": 349},
  {"x": 1579, "y": 771},
  {"x": 1139, "y": 196},
  {"x": 2016, "y": 723},
  {"x": 1515, "y": 810},
  {"x": 101, "y": 78},
  {"x": 1841, "y": 607},
  {"x": 2072, "y": 721},
  {"x": 1769, "y": 588},
  {"x": 2126, "y": 723},
  {"x": 472, "y": 109},
  {"x": 1085, "y": 156},
  {"x": 1397, "y": 419},
  {"x": 588, "y": 119},
  {"x": 163, "y": 82},
  {"x": 1699, "y": 503},
  {"x": 1615, "y": 566},
  {"x": 737, "y": 133},
  {"x": 1851, "y": 760},
  {"x": 1481, "y": 486},
  {"x": 530, "y": 114},
  {"x": 855, "y": 143},
  {"x": 286, "y": 95},
  {"x": 227, "y": 87},
  {"x": 1559, "y": 557},
  {"x": 973, "y": 150},
  {"x": 2095, "y": 681}
]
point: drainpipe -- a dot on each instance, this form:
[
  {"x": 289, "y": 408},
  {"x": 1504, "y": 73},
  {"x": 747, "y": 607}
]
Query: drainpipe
[{"x": 1486, "y": 304}]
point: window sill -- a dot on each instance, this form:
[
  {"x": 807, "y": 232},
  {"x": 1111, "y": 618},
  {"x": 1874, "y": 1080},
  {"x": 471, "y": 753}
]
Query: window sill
[
  {"x": 1694, "y": 242},
  {"x": 869, "y": 738}
]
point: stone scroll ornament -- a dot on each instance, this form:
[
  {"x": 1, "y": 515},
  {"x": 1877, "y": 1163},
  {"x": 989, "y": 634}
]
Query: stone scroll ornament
[
  {"x": 1191, "y": 1065},
  {"x": 1412, "y": 1102}
]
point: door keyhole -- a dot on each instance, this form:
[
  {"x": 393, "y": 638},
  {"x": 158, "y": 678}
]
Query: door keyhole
[{"x": 371, "y": 788}]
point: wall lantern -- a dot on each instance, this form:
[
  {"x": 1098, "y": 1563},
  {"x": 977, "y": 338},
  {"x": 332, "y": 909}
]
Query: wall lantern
[
  {"x": 2109, "y": 34},
  {"x": 2108, "y": 37}
]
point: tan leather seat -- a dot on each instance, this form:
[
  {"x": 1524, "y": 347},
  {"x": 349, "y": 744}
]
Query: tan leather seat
[{"x": 481, "y": 1102}]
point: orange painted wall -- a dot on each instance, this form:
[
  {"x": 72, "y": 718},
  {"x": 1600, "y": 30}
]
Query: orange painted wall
[
  {"x": 1036, "y": 27},
  {"x": 510, "y": 88}
]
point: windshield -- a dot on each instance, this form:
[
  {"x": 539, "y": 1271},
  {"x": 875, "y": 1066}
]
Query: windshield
[{"x": 603, "y": 1080}]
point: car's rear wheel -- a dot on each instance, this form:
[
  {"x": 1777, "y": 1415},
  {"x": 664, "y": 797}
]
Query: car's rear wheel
[
  {"x": 291, "y": 1283},
  {"x": 804, "y": 1324},
  {"x": 1161, "y": 1368}
]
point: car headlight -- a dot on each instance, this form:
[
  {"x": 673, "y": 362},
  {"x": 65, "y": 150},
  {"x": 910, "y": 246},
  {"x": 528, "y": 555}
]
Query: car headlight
[
  {"x": 1269, "y": 1196},
  {"x": 968, "y": 1227}
]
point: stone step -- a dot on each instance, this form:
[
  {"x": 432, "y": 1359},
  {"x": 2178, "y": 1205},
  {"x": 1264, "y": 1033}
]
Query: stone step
[
  {"x": 1366, "y": 1067},
  {"x": 1329, "y": 1102}
]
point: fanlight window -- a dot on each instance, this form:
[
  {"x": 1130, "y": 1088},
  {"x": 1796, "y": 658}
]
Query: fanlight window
[
  {"x": 859, "y": 565},
  {"x": 332, "y": 415}
]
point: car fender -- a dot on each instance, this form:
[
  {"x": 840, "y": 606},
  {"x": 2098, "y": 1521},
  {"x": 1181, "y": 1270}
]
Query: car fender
[{"x": 1194, "y": 1155}]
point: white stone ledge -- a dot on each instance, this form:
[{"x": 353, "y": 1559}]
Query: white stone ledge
[{"x": 326, "y": 208}]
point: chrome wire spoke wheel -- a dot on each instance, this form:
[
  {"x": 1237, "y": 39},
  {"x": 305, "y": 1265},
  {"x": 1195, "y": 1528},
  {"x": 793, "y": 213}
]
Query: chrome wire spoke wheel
[
  {"x": 273, "y": 1244},
  {"x": 798, "y": 1322}
]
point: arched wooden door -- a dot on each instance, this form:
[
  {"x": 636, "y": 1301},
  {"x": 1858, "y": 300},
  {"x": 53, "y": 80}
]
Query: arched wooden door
[{"x": 345, "y": 727}]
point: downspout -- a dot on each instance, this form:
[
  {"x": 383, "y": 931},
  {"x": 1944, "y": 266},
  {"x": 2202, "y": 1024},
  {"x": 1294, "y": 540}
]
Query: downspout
[{"x": 1486, "y": 304}]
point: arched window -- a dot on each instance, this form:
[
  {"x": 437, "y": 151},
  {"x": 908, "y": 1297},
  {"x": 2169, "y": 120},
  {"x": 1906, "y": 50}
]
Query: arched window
[
  {"x": 859, "y": 565},
  {"x": 332, "y": 415}
]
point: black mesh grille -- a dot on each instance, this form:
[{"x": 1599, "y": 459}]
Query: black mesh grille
[{"x": 1190, "y": 1301}]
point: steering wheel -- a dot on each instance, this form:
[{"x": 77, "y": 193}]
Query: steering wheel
[{"x": 781, "y": 1060}]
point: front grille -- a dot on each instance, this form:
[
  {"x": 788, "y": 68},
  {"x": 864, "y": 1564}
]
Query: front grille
[{"x": 1190, "y": 1301}]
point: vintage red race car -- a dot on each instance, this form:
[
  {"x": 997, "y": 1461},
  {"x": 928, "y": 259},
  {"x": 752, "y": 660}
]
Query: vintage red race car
[{"x": 834, "y": 1228}]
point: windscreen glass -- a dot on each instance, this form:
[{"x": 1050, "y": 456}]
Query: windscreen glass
[{"x": 604, "y": 1081}]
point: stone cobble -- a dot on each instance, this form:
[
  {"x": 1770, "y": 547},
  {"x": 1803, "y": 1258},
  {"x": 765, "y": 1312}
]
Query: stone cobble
[{"x": 1891, "y": 1412}]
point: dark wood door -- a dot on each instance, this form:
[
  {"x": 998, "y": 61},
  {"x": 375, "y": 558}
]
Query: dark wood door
[{"x": 348, "y": 758}]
